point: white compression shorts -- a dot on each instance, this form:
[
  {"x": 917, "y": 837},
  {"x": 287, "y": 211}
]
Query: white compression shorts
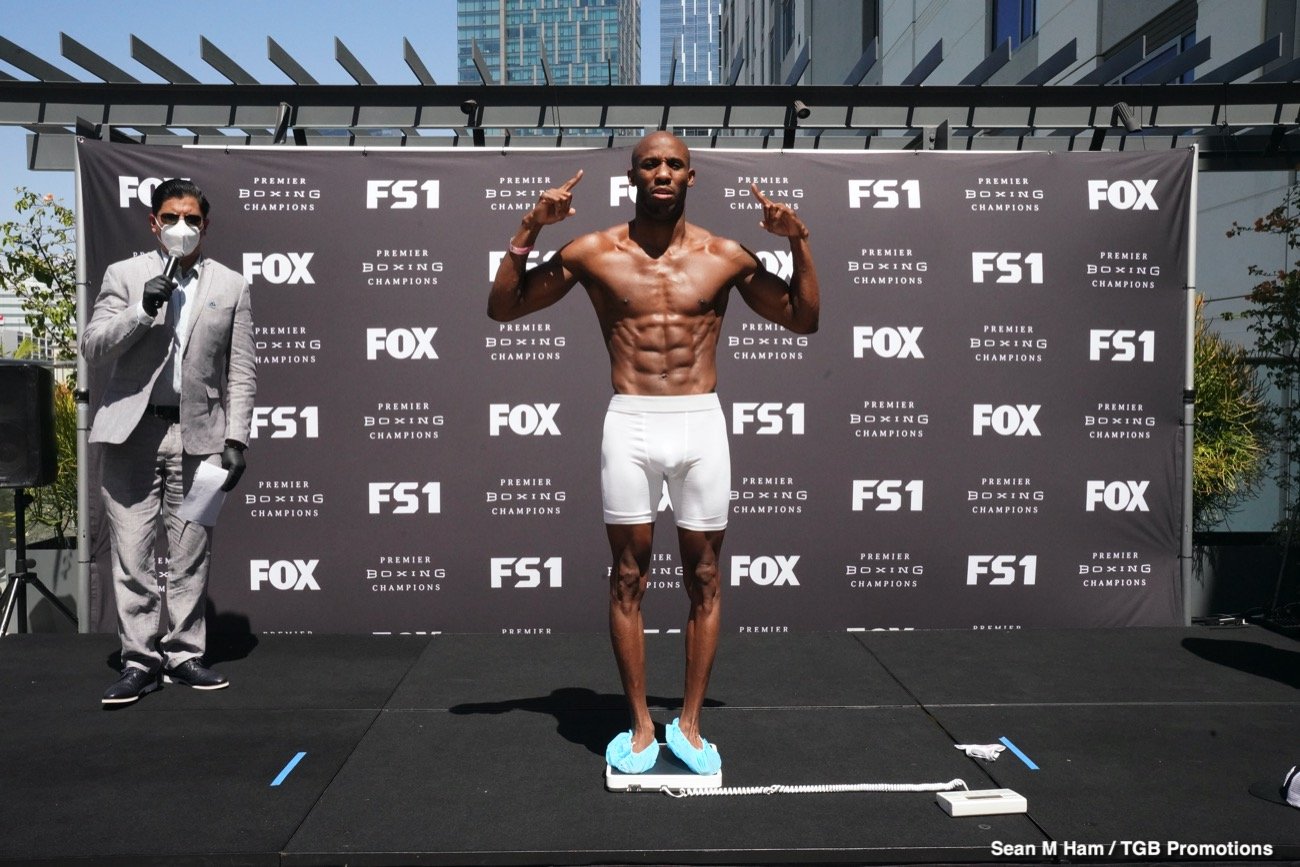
[{"x": 681, "y": 439}]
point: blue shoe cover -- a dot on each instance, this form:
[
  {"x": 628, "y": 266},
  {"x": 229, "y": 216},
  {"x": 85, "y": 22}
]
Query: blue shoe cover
[
  {"x": 621, "y": 758},
  {"x": 701, "y": 761}
]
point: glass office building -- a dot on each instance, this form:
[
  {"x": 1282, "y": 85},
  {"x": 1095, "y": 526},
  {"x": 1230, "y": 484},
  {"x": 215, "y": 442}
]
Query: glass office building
[
  {"x": 587, "y": 41},
  {"x": 691, "y": 26}
]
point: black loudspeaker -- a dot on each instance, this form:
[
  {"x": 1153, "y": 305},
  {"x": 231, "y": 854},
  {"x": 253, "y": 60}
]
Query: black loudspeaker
[{"x": 28, "y": 454}]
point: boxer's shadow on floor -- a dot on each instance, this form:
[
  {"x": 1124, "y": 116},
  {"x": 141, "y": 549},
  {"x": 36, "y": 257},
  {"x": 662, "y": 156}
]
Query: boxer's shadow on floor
[
  {"x": 1252, "y": 657},
  {"x": 582, "y": 716}
]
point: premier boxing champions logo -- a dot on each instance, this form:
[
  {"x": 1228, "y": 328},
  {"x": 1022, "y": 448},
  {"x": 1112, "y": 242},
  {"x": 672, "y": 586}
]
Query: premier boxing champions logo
[
  {"x": 778, "y": 188},
  {"x": 279, "y": 194},
  {"x": 766, "y": 341},
  {"x": 885, "y": 570},
  {"x": 524, "y": 342},
  {"x": 1005, "y": 496},
  {"x": 1004, "y": 195},
  {"x": 768, "y": 495},
  {"x": 1119, "y": 420},
  {"x": 414, "y": 419},
  {"x": 413, "y": 266},
  {"x": 516, "y": 193},
  {"x": 527, "y": 496},
  {"x": 1007, "y": 343},
  {"x": 1114, "y": 570},
  {"x": 889, "y": 419},
  {"x": 283, "y": 498},
  {"x": 285, "y": 344},
  {"x": 887, "y": 266},
  {"x": 1122, "y": 269},
  {"x": 404, "y": 573}
]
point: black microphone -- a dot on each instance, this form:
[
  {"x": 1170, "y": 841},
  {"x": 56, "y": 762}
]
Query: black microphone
[{"x": 171, "y": 266}]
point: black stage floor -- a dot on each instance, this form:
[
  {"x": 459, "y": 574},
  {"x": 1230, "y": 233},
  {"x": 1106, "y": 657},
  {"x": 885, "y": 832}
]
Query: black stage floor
[{"x": 486, "y": 749}]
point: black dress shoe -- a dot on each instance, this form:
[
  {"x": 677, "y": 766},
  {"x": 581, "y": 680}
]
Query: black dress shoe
[
  {"x": 133, "y": 683},
  {"x": 191, "y": 672}
]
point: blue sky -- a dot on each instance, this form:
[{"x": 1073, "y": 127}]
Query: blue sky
[{"x": 372, "y": 30}]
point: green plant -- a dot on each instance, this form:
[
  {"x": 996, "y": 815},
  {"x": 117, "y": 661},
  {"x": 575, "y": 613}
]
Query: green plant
[
  {"x": 40, "y": 267},
  {"x": 55, "y": 505},
  {"x": 38, "y": 264},
  {"x": 1274, "y": 317},
  {"x": 1230, "y": 448}
]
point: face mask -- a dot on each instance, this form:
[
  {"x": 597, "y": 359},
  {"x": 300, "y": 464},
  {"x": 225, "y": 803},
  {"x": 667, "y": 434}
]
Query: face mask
[{"x": 179, "y": 240}]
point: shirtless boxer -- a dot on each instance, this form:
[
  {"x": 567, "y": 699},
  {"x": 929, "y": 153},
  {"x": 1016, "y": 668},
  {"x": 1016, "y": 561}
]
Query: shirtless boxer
[{"x": 660, "y": 287}]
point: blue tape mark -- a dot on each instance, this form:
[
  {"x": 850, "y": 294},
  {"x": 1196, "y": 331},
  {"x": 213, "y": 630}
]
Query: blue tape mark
[
  {"x": 1024, "y": 758},
  {"x": 288, "y": 769}
]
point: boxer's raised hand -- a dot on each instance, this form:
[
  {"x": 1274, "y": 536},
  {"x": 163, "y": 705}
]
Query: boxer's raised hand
[
  {"x": 779, "y": 219},
  {"x": 556, "y": 204}
]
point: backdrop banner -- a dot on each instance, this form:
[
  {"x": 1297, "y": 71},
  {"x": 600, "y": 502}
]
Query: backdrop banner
[{"x": 985, "y": 433}]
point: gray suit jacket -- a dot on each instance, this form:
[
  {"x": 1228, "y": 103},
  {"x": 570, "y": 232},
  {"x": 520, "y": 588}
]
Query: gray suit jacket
[{"x": 218, "y": 377}]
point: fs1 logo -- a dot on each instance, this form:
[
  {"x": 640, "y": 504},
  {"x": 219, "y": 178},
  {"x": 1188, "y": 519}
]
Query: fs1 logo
[
  {"x": 402, "y": 194},
  {"x": 525, "y": 419},
  {"x": 527, "y": 572},
  {"x": 1123, "y": 195},
  {"x": 1121, "y": 344},
  {"x": 536, "y": 257},
  {"x": 1007, "y": 266},
  {"x": 888, "y": 494},
  {"x": 283, "y": 422},
  {"x": 406, "y": 498},
  {"x": 400, "y": 343},
  {"x": 1007, "y": 420},
  {"x": 1126, "y": 496},
  {"x": 621, "y": 188},
  {"x": 1007, "y": 568},
  {"x": 887, "y": 342},
  {"x": 770, "y": 418},
  {"x": 283, "y": 574},
  {"x": 884, "y": 193},
  {"x": 278, "y": 268},
  {"x": 774, "y": 571},
  {"x": 139, "y": 189}
]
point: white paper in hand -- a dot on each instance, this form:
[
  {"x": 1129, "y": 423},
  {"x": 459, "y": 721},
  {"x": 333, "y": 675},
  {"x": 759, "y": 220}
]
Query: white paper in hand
[{"x": 204, "y": 499}]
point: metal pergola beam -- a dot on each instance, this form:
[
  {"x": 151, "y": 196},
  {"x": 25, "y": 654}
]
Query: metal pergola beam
[{"x": 1230, "y": 122}]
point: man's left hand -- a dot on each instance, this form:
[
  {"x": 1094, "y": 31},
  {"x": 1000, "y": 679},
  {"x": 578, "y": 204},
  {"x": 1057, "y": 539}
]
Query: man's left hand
[
  {"x": 779, "y": 219},
  {"x": 232, "y": 460}
]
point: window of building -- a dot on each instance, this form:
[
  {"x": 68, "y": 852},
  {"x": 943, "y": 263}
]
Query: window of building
[{"x": 1016, "y": 20}]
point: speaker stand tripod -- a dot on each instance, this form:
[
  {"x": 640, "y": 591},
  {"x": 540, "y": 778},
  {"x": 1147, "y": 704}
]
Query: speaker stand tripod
[{"x": 15, "y": 595}]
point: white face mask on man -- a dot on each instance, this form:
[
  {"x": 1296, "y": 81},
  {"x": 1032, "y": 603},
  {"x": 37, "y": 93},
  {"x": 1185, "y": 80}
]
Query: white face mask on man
[{"x": 180, "y": 239}]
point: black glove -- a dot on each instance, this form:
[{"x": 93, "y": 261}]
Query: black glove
[
  {"x": 232, "y": 460},
  {"x": 156, "y": 293}
]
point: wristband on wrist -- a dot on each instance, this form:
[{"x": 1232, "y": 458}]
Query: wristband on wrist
[{"x": 520, "y": 251}]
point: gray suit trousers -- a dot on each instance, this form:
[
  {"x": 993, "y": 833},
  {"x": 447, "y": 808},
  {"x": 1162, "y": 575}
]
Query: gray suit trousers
[{"x": 144, "y": 478}]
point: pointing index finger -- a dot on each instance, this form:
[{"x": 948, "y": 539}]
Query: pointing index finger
[
  {"x": 572, "y": 182},
  {"x": 759, "y": 195}
]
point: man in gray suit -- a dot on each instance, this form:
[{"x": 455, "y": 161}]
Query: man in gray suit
[{"x": 176, "y": 331}]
